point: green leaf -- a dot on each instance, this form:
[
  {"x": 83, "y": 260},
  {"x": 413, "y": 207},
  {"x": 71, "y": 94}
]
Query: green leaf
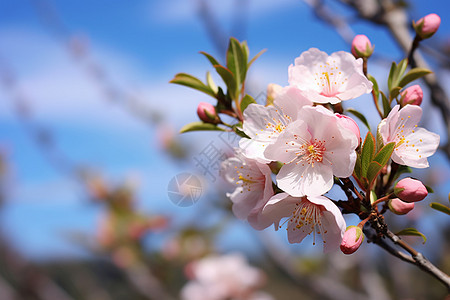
[
  {"x": 192, "y": 82},
  {"x": 373, "y": 170},
  {"x": 360, "y": 116},
  {"x": 379, "y": 161},
  {"x": 392, "y": 72},
  {"x": 367, "y": 153},
  {"x": 373, "y": 197},
  {"x": 237, "y": 128},
  {"x": 412, "y": 231},
  {"x": 357, "y": 171},
  {"x": 384, "y": 154},
  {"x": 412, "y": 75},
  {"x": 211, "y": 83},
  {"x": 228, "y": 78},
  {"x": 401, "y": 68},
  {"x": 211, "y": 58},
  {"x": 429, "y": 189},
  {"x": 245, "y": 50},
  {"x": 246, "y": 101},
  {"x": 386, "y": 105},
  {"x": 440, "y": 207},
  {"x": 236, "y": 61},
  {"x": 375, "y": 86},
  {"x": 394, "y": 93},
  {"x": 255, "y": 58},
  {"x": 198, "y": 126}
]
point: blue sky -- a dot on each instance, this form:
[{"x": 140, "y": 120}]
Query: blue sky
[{"x": 140, "y": 45}]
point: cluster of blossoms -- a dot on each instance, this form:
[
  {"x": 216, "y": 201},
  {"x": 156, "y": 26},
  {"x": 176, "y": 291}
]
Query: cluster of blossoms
[
  {"x": 308, "y": 146},
  {"x": 224, "y": 277}
]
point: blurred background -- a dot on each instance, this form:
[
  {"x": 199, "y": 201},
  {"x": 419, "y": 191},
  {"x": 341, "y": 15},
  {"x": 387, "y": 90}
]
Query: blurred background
[{"x": 89, "y": 144}]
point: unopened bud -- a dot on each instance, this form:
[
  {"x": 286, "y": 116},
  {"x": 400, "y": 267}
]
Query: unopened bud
[
  {"x": 361, "y": 46},
  {"x": 353, "y": 237},
  {"x": 412, "y": 95},
  {"x": 350, "y": 124},
  {"x": 427, "y": 26},
  {"x": 410, "y": 190},
  {"x": 400, "y": 207},
  {"x": 207, "y": 113}
]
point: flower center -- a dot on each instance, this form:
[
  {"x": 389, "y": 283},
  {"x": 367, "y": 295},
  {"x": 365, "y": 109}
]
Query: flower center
[
  {"x": 328, "y": 79},
  {"x": 312, "y": 153},
  {"x": 307, "y": 214}
]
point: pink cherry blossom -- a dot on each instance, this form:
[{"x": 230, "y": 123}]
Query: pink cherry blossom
[
  {"x": 332, "y": 78},
  {"x": 306, "y": 215},
  {"x": 263, "y": 124},
  {"x": 313, "y": 149},
  {"x": 224, "y": 277},
  {"x": 412, "y": 144},
  {"x": 253, "y": 187}
]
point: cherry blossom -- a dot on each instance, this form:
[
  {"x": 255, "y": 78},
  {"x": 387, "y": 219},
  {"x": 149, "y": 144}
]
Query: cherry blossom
[
  {"x": 412, "y": 144},
  {"x": 332, "y": 78},
  {"x": 313, "y": 149},
  {"x": 306, "y": 215},
  {"x": 263, "y": 124},
  {"x": 224, "y": 277},
  {"x": 253, "y": 186}
]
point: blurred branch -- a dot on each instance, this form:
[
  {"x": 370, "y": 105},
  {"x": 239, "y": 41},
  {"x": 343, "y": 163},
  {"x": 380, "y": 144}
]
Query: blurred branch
[
  {"x": 78, "y": 49},
  {"x": 338, "y": 23},
  {"x": 320, "y": 286}
]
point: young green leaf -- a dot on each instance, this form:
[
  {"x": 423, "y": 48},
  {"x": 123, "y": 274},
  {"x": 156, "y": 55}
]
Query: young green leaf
[
  {"x": 373, "y": 170},
  {"x": 392, "y": 73},
  {"x": 401, "y": 68},
  {"x": 384, "y": 154},
  {"x": 379, "y": 161},
  {"x": 228, "y": 78},
  {"x": 211, "y": 59},
  {"x": 255, "y": 58},
  {"x": 367, "y": 153},
  {"x": 386, "y": 105},
  {"x": 237, "y": 128},
  {"x": 394, "y": 93},
  {"x": 236, "y": 61},
  {"x": 211, "y": 83},
  {"x": 246, "y": 101},
  {"x": 375, "y": 86},
  {"x": 412, "y": 75},
  {"x": 360, "y": 116},
  {"x": 440, "y": 207},
  {"x": 192, "y": 82},
  {"x": 357, "y": 171},
  {"x": 412, "y": 231},
  {"x": 199, "y": 126}
]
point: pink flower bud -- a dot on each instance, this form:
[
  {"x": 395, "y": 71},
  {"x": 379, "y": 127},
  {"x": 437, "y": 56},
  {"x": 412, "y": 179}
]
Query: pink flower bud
[
  {"x": 207, "y": 113},
  {"x": 353, "y": 237},
  {"x": 400, "y": 207},
  {"x": 412, "y": 95},
  {"x": 350, "y": 124},
  {"x": 361, "y": 46},
  {"x": 427, "y": 25},
  {"x": 410, "y": 190}
]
